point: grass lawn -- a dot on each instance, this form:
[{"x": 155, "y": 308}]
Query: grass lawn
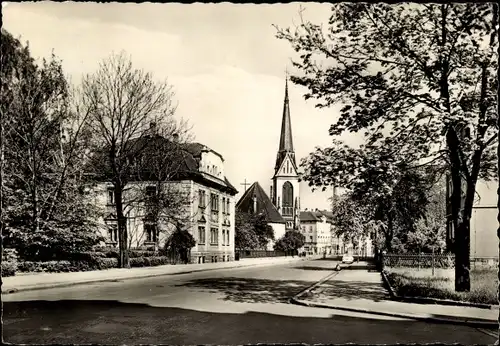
[{"x": 414, "y": 282}]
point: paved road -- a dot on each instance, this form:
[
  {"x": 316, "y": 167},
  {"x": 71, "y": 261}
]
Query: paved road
[{"x": 229, "y": 306}]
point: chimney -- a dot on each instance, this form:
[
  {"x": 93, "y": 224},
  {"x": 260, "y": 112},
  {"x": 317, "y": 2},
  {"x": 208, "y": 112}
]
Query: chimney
[
  {"x": 254, "y": 204},
  {"x": 176, "y": 137}
]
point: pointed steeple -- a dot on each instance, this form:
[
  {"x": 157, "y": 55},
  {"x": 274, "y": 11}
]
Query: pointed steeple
[{"x": 286, "y": 141}]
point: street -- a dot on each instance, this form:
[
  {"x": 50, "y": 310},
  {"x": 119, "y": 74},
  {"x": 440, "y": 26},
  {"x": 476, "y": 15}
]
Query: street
[{"x": 227, "y": 306}]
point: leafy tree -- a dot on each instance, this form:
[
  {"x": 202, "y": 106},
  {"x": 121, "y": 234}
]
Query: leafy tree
[
  {"x": 122, "y": 102},
  {"x": 291, "y": 241},
  {"x": 179, "y": 244},
  {"x": 245, "y": 237},
  {"x": 429, "y": 232},
  {"x": 47, "y": 212},
  {"x": 419, "y": 81},
  {"x": 252, "y": 231}
]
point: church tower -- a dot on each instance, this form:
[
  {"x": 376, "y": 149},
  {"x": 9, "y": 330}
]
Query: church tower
[{"x": 285, "y": 191}]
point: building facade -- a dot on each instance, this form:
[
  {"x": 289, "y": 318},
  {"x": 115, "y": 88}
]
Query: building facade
[
  {"x": 204, "y": 200},
  {"x": 285, "y": 188},
  {"x": 317, "y": 230}
]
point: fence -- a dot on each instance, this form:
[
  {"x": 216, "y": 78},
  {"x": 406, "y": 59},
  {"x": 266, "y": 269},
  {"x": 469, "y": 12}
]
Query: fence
[
  {"x": 261, "y": 253},
  {"x": 432, "y": 260},
  {"x": 419, "y": 260}
]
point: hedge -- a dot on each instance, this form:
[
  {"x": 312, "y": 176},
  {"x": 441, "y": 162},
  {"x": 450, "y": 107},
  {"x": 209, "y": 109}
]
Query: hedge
[
  {"x": 67, "y": 266},
  {"x": 149, "y": 261},
  {"x": 9, "y": 268}
]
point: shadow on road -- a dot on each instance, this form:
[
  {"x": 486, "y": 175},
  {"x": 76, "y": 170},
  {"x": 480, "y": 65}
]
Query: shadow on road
[
  {"x": 113, "y": 322},
  {"x": 250, "y": 290},
  {"x": 353, "y": 290}
]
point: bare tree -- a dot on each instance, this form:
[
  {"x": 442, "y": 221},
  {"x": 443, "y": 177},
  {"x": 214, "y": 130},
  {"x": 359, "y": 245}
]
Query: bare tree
[{"x": 122, "y": 102}]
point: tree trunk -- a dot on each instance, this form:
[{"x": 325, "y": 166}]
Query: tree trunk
[{"x": 123, "y": 260}]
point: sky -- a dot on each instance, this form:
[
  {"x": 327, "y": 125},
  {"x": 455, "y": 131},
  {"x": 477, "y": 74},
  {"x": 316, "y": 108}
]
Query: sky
[{"x": 223, "y": 60}]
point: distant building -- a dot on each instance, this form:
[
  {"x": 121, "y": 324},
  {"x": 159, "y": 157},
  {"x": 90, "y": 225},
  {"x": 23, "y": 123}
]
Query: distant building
[
  {"x": 256, "y": 201},
  {"x": 209, "y": 212},
  {"x": 320, "y": 236},
  {"x": 316, "y": 227}
]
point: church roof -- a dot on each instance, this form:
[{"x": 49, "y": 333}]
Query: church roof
[
  {"x": 286, "y": 141},
  {"x": 264, "y": 204}
]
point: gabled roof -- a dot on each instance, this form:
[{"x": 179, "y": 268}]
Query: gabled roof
[
  {"x": 315, "y": 216},
  {"x": 184, "y": 157},
  {"x": 264, "y": 204}
]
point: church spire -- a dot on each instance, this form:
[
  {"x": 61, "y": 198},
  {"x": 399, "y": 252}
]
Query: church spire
[{"x": 286, "y": 143}]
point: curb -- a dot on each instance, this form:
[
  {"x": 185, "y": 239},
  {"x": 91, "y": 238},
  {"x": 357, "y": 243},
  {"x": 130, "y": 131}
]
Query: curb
[
  {"x": 70, "y": 284},
  {"x": 427, "y": 300},
  {"x": 470, "y": 323},
  {"x": 326, "y": 278}
]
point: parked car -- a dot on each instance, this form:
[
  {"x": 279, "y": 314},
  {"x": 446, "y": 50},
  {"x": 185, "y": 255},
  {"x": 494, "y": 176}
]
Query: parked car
[{"x": 348, "y": 259}]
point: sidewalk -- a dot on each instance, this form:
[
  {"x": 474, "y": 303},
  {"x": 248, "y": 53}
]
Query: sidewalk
[
  {"x": 361, "y": 290},
  {"x": 35, "y": 281}
]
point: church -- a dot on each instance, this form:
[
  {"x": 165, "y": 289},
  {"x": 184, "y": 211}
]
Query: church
[{"x": 282, "y": 208}]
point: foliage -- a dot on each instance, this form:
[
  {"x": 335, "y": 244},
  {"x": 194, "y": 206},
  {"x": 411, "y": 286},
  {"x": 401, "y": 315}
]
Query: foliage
[
  {"x": 67, "y": 266},
  {"x": 179, "y": 244},
  {"x": 9, "y": 268},
  {"x": 392, "y": 213},
  {"x": 46, "y": 206},
  {"x": 149, "y": 261},
  {"x": 291, "y": 241},
  {"x": 418, "y": 81},
  {"x": 415, "y": 283},
  {"x": 252, "y": 231}
]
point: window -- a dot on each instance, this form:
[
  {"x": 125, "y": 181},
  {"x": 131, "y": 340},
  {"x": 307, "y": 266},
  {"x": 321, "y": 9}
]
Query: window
[
  {"x": 150, "y": 191},
  {"x": 215, "y": 202},
  {"x": 201, "y": 235},
  {"x": 202, "y": 199},
  {"x": 227, "y": 240},
  {"x": 310, "y": 228},
  {"x": 227, "y": 206},
  {"x": 311, "y": 238},
  {"x": 287, "y": 198},
  {"x": 113, "y": 232},
  {"x": 214, "y": 236},
  {"x": 223, "y": 205},
  {"x": 223, "y": 237},
  {"x": 111, "y": 196}
]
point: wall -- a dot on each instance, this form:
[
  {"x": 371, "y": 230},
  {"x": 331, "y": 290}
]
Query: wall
[
  {"x": 484, "y": 224},
  {"x": 203, "y": 217}
]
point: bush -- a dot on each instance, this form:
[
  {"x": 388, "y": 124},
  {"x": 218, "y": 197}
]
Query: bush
[
  {"x": 149, "y": 261},
  {"x": 9, "y": 268},
  {"x": 68, "y": 266},
  {"x": 9, "y": 255},
  {"x": 143, "y": 253}
]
